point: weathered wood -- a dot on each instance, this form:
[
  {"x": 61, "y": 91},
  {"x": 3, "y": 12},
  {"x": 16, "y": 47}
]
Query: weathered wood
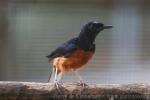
[{"x": 47, "y": 91}]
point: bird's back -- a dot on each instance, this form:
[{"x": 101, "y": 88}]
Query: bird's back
[{"x": 64, "y": 50}]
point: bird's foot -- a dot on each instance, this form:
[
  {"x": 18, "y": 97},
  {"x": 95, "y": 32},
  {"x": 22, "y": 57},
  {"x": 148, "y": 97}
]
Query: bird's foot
[
  {"x": 82, "y": 84},
  {"x": 59, "y": 87}
]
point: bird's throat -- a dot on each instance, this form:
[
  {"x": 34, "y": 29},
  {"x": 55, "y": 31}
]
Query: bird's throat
[{"x": 85, "y": 43}]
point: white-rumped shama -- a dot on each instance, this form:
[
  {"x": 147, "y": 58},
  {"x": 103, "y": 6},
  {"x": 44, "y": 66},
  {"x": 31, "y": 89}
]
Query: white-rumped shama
[{"x": 73, "y": 54}]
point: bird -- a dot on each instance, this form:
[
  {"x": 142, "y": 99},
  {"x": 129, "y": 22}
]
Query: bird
[{"x": 74, "y": 54}]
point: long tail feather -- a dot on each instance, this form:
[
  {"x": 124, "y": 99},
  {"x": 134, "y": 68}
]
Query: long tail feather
[{"x": 51, "y": 75}]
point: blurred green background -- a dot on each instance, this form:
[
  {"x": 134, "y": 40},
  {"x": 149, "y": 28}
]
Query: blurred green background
[{"x": 31, "y": 29}]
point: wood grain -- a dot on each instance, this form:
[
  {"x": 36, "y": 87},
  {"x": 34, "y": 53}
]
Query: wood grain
[{"x": 72, "y": 91}]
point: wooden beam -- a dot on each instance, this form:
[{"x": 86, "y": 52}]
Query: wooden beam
[{"x": 72, "y": 91}]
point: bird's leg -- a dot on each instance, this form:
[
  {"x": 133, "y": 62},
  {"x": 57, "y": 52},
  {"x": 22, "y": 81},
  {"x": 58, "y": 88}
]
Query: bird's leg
[
  {"x": 80, "y": 80},
  {"x": 57, "y": 78}
]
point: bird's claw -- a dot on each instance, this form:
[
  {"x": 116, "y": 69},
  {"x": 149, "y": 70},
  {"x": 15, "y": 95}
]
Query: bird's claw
[
  {"x": 82, "y": 84},
  {"x": 59, "y": 87}
]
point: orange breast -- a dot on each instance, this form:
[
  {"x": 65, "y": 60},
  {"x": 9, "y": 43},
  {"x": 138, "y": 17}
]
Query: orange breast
[{"x": 73, "y": 62}]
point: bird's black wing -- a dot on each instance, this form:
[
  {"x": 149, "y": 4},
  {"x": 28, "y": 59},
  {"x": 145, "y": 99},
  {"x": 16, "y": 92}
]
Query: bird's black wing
[{"x": 64, "y": 50}]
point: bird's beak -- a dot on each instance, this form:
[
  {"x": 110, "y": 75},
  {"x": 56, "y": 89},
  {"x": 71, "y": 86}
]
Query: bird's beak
[{"x": 107, "y": 27}]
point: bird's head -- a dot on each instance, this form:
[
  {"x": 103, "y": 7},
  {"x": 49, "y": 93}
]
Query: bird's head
[{"x": 92, "y": 29}]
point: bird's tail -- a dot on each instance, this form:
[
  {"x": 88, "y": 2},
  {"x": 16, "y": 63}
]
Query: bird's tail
[{"x": 51, "y": 75}]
